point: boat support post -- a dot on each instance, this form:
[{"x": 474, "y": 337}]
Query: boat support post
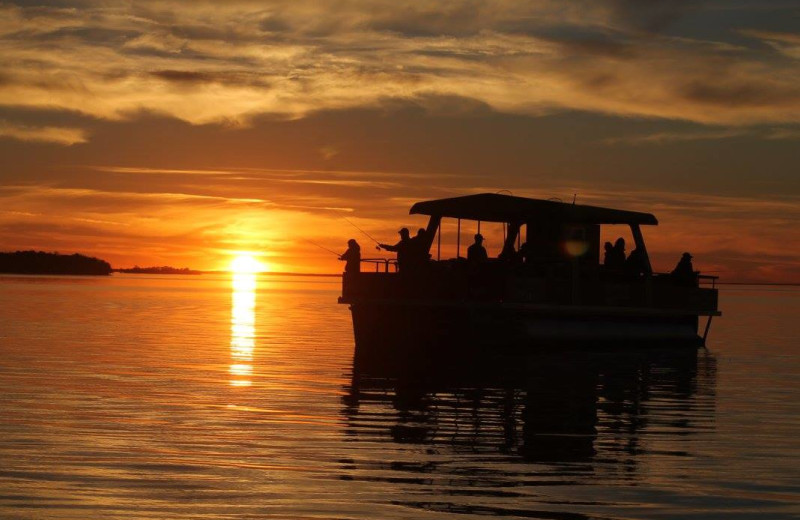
[
  {"x": 433, "y": 229},
  {"x": 708, "y": 326},
  {"x": 638, "y": 239},
  {"x": 458, "y": 240}
]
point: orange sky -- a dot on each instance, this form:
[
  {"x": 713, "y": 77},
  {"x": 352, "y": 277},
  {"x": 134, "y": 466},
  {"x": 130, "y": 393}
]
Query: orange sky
[{"x": 171, "y": 133}]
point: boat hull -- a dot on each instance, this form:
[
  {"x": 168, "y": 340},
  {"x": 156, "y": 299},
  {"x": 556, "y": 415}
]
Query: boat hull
[{"x": 494, "y": 324}]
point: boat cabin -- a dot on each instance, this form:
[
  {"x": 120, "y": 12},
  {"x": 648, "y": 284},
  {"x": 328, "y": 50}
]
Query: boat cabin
[{"x": 553, "y": 231}]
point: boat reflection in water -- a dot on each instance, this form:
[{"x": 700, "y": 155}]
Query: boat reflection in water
[
  {"x": 243, "y": 312},
  {"x": 610, "y": 411}
]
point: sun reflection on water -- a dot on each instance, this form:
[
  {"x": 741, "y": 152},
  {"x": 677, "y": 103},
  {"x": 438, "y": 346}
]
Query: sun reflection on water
[{"x": 243, "y": 320}]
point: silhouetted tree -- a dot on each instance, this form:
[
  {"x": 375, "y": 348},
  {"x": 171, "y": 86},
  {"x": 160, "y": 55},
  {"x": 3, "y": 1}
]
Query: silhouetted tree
[{"x": 39, "y": 262}]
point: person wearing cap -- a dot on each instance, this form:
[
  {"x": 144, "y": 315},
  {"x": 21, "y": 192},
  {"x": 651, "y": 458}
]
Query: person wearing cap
[
  {"x": 476, "y": 253},
  {"x": 402, "y": 248},
  {"x": 352, "y": 256},
  {"x": 684, "y": 272}
]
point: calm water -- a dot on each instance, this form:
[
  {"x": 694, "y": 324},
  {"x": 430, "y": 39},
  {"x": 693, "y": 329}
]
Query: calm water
[{"x": 205, "y": 397}]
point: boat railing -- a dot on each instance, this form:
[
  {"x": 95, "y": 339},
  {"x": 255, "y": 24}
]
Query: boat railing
[
  {"x": 386, "y": 263},
  {"x": 707, "y": 279}
]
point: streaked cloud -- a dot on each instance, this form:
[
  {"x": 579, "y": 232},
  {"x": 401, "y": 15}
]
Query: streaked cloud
[
  {"x": 785, "y": 43},
  {"x": 781, "y": 134},
  {"x": 44, "y": 134},
  {"x": 227, "y": 62},
  {"x": 671, "y": 137},
  {"x": 775, "y": 134},
  {"x": 158, "y": 171}
]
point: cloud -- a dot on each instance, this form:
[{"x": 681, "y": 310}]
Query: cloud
[
  {"x": 652, "y": 15},
  {"x": 43, "y": 134},
  {"x": 785, "y": 43},
  {"x": 209, "y": 62},
  {"x": 328, "y": 152},
  {"x": 672, "y": 137},
  {"x": 780, "y": 134},
  {"x": 658, "y": 138},
  {"x": 159, "y": 171},
  {"x": 38, "y": 197}
]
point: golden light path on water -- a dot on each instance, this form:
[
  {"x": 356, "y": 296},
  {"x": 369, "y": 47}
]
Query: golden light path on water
[{"x": 243, "y": 320}]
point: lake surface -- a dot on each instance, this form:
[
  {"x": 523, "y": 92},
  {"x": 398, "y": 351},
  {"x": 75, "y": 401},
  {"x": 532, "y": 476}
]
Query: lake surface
[{"x": 172, "y": 397}]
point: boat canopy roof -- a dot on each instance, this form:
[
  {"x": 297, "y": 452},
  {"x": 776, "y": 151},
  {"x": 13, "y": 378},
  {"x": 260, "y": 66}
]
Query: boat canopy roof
[{"x": 495, "y": 207}]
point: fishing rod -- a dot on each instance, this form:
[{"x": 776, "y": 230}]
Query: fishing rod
[
  {"x": 364, "y": 232},
  {"x": 322, "y": 247}
]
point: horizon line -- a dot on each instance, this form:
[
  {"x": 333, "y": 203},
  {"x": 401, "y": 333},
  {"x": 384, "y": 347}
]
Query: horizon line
[{"x": 339, "y": 275}]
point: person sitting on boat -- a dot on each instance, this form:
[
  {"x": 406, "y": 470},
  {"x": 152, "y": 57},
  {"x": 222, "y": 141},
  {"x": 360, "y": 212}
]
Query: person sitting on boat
[
  {"x": 476, "y": 253},
  {"x": 419, "y": 253},
  {"x": 684, "y": 273},
  {"x": 635, "y": 264},
  {"x": 615, "y": 260},
  {"x": 352, "y": 256},
  {"x": 608, "y": 254},
  {"x": 402, "y": 248},
  {"x": 524, "y": 253},
  {"x": 509, "y": 255}
]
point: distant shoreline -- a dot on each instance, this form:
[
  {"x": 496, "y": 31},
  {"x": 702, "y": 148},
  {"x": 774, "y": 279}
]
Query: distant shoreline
[
  {"x": 779, "y": 284},
  {"x": 192, "y": 272}
]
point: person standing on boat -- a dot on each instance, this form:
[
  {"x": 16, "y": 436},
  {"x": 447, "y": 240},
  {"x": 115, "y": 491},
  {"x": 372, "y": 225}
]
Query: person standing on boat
[
  {"x": 476, "y": 253},
  {"x": 684, "y": 273},
  {"x": 352, "y": 256},
  {"x": 404, "y": 249}
]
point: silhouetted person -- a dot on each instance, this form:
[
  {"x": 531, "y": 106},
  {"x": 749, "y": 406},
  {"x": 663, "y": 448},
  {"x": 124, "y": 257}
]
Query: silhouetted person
[
  {"x": 684, "y": 273},
  {"x": 615, "y": 259},
  {"x": 419, "y": 255},
  {"x": 508, "y": 254},
  {"x": 476, "y": 253},
  {"x": 635, "y": 264},
  {"x": 608, "y": 254},
  {"x": 402, "y": 248},
  {"x": 524, "y": 253},
  {"x": 352, "y": 256}
]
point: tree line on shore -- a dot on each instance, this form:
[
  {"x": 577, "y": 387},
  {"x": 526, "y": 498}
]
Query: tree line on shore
[{"x": 40, "y": 262}]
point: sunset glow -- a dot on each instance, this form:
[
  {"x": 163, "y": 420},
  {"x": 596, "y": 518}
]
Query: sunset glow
[
  {"x": 264, "y": 125},
  {"x": 246, "y": 263}
]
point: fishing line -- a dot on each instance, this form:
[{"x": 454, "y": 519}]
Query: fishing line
[
  {"x": 322, "y": 247},
  {"x": 358, "y": 228}
]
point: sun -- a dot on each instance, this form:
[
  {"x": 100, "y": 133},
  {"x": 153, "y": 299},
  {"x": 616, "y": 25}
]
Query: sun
[{"x": 246, "y": 263}]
